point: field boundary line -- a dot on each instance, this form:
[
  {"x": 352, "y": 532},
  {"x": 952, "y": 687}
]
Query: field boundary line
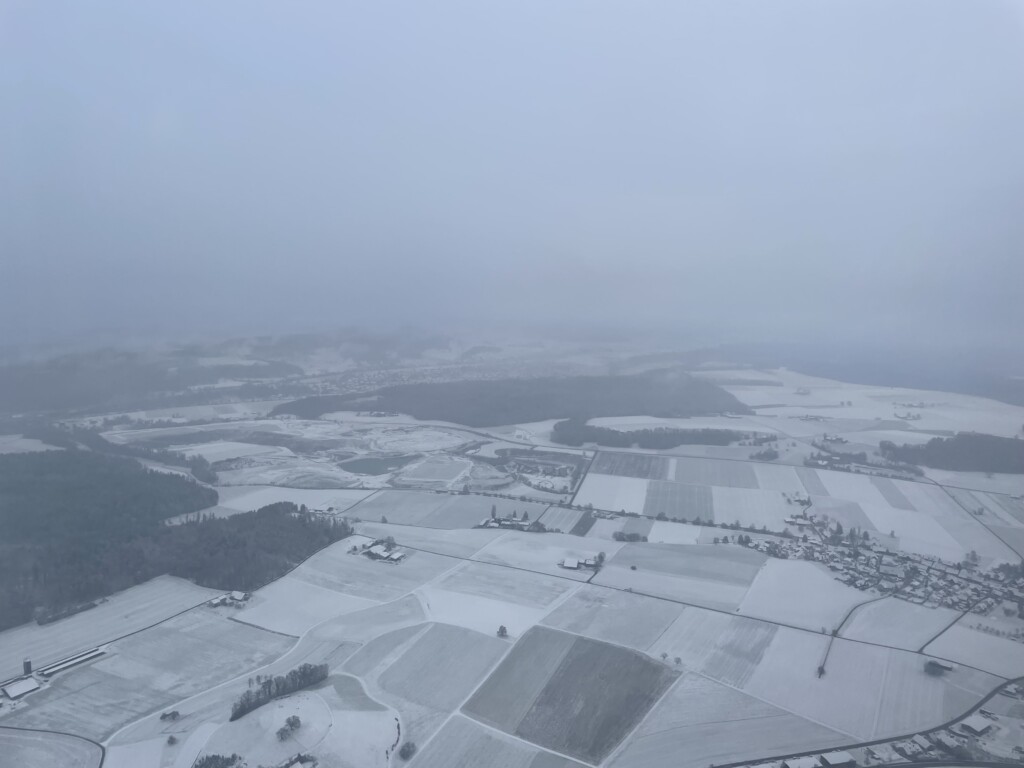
[
  {"x": 103, "y": 750},
  {"x": 528, "y": 743},
  {"x": 949, "y": 626},
  {"x": 614, "y": 754},
  {"x": 853, "y": 610},
  {"x": 703, "y": 608},
  {"x": 583, "y": 477},
  {"x": 881, "y": 693},
  {"x": 972, "y": 517}
]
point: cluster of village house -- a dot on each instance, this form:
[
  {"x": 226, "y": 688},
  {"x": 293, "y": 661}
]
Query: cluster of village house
[{"x": 928, "y": 581}]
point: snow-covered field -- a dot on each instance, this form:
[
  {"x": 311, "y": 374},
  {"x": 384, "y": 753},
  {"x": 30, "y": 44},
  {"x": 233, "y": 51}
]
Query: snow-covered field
[
  {"x": 897, "y": 623},
  {"x": 245, "y": 498},
  {"x": 942, "y": 411},
  {"x": 998, "y": 655},
  {"x": 223, "y": 450},
  {"x": 799, "y": 593},
  {"x": 19, "y": 444},
  {"x": 292, "y": 606},
  {"x": 674, "y": 533},
  {"x": 121, "y": 613},
  {"x": 751, "y": 507},
  {"x": 613, "y": 493}
]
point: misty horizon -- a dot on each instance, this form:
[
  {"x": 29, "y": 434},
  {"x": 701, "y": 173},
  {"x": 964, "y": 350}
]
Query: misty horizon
[{"x": 725, "y": 170}]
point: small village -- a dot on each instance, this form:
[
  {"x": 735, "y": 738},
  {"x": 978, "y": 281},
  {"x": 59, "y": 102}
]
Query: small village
[{"x": 866, "y": 564}]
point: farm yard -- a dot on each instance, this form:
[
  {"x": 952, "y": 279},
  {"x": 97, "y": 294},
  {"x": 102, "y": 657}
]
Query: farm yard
[
  {"x": 121, "y": 614},
  {"x": 543, "y": 553},
  {"x": 149, "y": 670},
  {"x": 439, "y": 510},
  {"x": 353, "y": 575}
]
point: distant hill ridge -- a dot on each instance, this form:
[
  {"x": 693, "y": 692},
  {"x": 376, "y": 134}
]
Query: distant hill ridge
[{"x": 517, "y": 401}]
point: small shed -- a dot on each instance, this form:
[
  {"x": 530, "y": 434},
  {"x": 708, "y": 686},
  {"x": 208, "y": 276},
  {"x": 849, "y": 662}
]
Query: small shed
[
  {"x": 571, "y": 563},
  {"x": 801, "y": 762},
  {"x": 922, "y": 742}
]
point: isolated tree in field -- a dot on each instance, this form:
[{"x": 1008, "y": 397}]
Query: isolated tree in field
[
  {"x": 600, "y": 559},
  {"x": 502, "y": 631},
  {"x": 494, "y": 511},
  {"x": 678, "y": 661},
  {"x": 407, "y": 750},
  {"x": 664, "y": 656},
  {"x": 172, "y": 740},
  {"x": 283, "y": 733},
  {"x": 293, "y": 722},
  {"x": 384, "y": 520},
  {"x": 515, "y": 514},
  {"x": 526, "y": 517}
]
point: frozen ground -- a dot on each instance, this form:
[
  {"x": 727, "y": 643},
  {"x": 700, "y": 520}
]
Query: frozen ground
[
  {"x": 245, "y": 498},
  {"x": 897, "y": 623},
  {"x": 998, "y": 655},
  {"x": 121, "y": 614},
  {"x": 943, "y": 411},
  {"x": 26, "y": 749},
  {"x": 19, "y": 444},
  {"x": 224, "y": 449},
  {"x": 292, "y": 606},
  {"x": 799, "y": 593},
  {"x": 613, "y": 493}
]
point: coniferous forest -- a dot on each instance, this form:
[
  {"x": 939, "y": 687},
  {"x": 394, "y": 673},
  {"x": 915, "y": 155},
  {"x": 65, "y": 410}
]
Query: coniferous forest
[{"x": 78, "y": 526}]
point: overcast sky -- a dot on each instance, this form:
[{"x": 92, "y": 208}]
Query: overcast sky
[{"x": 758, "y": 167}]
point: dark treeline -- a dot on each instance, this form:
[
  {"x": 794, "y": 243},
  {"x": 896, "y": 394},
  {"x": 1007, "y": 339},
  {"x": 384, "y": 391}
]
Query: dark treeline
[
  {"x": 78, "y": 526},
  {"x": 270, "y": 688},
  {"x": 515, "y": 401},
  {"x": 89, "y": 438},
  {"x": 964, "y": 452},
  {"x": 117, "y": 379},
  {"x": 576, "y": 432}
]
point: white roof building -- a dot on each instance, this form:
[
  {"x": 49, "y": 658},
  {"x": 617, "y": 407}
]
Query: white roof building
[
  {"x": 837, "y": 758},
  {"x": 18, "y": 688}
]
